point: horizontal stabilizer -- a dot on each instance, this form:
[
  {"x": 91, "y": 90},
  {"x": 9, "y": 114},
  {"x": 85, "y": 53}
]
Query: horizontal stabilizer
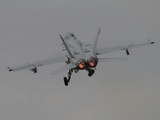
[
  {"x": 111, "y": 59},
  {"x": 62, "y": 69}
]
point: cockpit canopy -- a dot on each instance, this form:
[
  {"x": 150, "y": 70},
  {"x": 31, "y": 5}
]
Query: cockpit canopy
[{"x": 69, "y": 35}]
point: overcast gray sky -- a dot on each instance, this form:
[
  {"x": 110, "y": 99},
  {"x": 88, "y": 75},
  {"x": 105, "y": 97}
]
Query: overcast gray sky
[{"x": 124, "y": 90}]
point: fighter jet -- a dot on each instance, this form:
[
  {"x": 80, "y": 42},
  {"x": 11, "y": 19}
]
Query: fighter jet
[{"x": 77, "y": 56}]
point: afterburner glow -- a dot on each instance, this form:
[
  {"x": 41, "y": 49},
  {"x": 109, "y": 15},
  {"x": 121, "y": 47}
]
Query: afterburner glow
[
  {"x": 92, "y": 62},
  {"x": 81, "y": 64}
]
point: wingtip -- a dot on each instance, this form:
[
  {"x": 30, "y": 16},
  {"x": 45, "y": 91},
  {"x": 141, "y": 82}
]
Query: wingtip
[
  {"x": 9, "y": 69},
  {"x": 150, "y": 41}
]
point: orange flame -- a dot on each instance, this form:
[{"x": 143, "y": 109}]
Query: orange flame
[
  {"x": 91, "y": 63},
  {"x": 81, "y": 65}
]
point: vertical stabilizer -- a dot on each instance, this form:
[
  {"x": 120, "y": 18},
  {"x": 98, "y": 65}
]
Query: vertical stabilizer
[
  {"x": 96, "y": 40},
  {"x": 69, "y": 52}
]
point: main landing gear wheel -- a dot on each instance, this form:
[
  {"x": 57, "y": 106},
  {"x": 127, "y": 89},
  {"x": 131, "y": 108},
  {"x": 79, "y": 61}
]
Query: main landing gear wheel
[
  {"x": 66, "y": 81},
  {"x": 90, "y": 73}
]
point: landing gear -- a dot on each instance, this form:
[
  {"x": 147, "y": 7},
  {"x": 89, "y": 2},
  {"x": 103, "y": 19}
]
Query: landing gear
[
  {"x": 90, "y": 72},
  {"x": 66, "y": 81}
]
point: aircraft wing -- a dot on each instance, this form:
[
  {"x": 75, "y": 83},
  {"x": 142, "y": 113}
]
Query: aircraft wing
[
  {"x": 104, "y": 50},
  {"x": 58, "y": 57}
]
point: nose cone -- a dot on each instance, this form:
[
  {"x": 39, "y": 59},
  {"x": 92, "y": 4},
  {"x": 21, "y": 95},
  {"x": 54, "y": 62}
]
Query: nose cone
[{"x": 69, "y": 35}]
